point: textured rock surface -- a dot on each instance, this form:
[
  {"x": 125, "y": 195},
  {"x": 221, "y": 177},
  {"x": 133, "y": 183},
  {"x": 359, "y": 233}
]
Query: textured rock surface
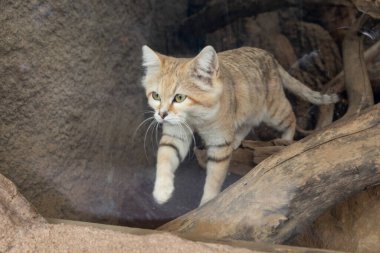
[
  {"x": 352, "y": 225},
  {"x": 70, "y": 101}
]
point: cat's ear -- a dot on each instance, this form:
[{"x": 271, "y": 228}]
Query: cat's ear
[
  {"x": 150, "y": 58},
  {"x": 206, "y": 63}
]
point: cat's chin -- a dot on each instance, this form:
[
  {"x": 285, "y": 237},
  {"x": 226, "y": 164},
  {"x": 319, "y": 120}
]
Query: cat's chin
[
  {"x": 170, "y": 121},
  {"x": 167, "y": 122}
]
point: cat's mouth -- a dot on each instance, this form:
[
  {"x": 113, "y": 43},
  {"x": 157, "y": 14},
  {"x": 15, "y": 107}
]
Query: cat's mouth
[{"x": 171, "y": 119}]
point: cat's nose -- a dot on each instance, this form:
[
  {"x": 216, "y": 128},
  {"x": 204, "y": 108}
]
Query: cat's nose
[{"x": 163, "y": 114}]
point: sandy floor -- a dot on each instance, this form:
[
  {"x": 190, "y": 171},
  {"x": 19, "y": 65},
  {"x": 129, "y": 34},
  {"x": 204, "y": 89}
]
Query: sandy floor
[
  {"x": 69, "y": 238},
  {"x": 22, "y": 229}
]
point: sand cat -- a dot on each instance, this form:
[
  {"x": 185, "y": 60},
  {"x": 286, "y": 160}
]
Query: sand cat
[{"x": 221, "y": 97}]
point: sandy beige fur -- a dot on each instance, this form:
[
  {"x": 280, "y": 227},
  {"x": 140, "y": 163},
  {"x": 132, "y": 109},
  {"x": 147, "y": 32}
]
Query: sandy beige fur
[{"x": 226, "y": 94}]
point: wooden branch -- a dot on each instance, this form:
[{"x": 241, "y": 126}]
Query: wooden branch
[
  {"x": 371, "y": 8},
  {"x": 336, "y": 85},
  {"x": 219, "y": 13},
  {"x": 325, "y": 116},
  {"x": 359, "y": 91},
  {"x": 291, "y": 188}
]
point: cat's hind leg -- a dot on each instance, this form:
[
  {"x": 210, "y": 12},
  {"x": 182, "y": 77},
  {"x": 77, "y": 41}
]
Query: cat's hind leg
[
  {"x": 281, "y": 117},
  {"x": 240, "y": 134},
  {"x": 279, "y": 113}
]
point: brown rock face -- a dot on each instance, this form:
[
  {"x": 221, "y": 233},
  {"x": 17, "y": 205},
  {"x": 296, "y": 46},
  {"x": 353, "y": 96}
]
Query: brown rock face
[{"x": 70, "y": 101}]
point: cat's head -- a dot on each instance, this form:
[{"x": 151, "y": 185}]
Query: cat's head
[{"x": 182, "y": 89}]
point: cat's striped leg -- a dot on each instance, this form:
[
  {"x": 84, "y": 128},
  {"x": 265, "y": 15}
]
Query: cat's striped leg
[
  {"x": 281, "y": 117},
  {"x": 173, "y": 148},
  {"x": 288, "y": 126},
  {"x": 240, "y": 134},
  {"x": 218, "y": 160}
]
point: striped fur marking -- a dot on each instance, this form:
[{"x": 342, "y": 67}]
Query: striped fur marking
[
  {"x": 222, "y": 145},
  {"x": 218, "y": 159},
  {"x": 287, "y": 121}
]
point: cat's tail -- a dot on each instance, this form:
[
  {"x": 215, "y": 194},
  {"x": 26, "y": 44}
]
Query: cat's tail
[{"x": 301, "y": 90}]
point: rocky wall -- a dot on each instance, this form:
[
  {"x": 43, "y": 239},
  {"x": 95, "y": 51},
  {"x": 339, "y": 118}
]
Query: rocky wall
[{"x": 70, "y": 102}]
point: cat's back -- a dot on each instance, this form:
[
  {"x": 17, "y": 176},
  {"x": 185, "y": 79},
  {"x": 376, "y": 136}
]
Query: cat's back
[
  {"x": 245, "y": 56},
  {"x": 246, "y": 66},
  {"x": 255, "y": 65}
]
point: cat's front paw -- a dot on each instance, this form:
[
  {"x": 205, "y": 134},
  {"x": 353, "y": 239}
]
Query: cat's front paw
[{"x": 162, "y": 192}]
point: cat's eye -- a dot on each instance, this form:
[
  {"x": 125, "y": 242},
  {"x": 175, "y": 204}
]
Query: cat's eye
[
  {"x": 155, "y": 96},
  {"x": 179, "y": 98}
]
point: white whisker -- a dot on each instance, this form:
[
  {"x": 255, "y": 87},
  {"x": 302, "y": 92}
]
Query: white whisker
[
  {"x": 146, "y": 133},
  {"x": 190, "y": 130},
  {"x": 184, "y": 135},
  {"x": 153, "y": 140},
  {"x": 190, "y": 134},
  {"x": 157, "y": 129},
  {"x": 178, "y": 126},
  {"x": 140, "y": 125}
]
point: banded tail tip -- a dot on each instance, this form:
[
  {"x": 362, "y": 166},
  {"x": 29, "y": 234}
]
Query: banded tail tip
[{"x": 330, "y": 98}]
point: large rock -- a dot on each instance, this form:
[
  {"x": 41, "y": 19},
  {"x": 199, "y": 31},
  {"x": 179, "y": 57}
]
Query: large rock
[{"x": 70, "y": 101}]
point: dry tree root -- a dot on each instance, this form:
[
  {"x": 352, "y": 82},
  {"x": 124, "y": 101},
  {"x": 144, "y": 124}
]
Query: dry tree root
[
  {"x": 359, "y": 91},
  {"x": 356, "y": 82},
  {"x": 274, "y": 201}
]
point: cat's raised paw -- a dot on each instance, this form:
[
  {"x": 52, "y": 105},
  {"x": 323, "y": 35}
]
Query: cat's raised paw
[{"x": 162, "y": 193}]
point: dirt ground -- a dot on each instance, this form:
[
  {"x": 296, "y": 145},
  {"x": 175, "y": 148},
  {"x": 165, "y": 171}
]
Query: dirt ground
[{"x": 69, "y": 238}]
